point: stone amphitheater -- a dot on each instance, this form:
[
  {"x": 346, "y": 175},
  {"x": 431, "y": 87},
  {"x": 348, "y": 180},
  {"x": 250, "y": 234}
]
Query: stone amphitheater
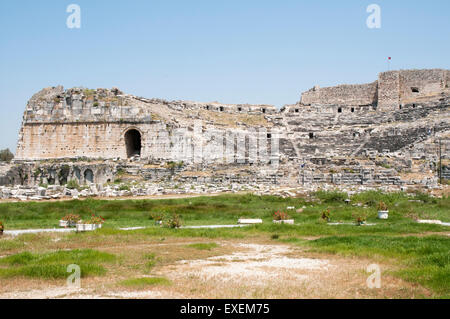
[{"x": 392, "y": 133}]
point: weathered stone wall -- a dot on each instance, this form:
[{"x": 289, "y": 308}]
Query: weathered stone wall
[
  {"x": 361, "y": 94},
  {"x": 36, "y": 173},
  {"x": 72, "y": 140},
  {"x": 385, "y": 118},
  {"x": 392, "y": 89},
  {"x": 418, "y": 83},
  {"x": 388, "y": 91}
]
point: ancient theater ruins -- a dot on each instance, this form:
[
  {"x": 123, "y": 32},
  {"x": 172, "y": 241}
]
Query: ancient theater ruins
[{"x": 393, "y": 132}]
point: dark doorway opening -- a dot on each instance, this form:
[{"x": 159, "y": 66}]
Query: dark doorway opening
[
  {"x": 88, "y": 176},
  {"x": 133, "y": 143}
]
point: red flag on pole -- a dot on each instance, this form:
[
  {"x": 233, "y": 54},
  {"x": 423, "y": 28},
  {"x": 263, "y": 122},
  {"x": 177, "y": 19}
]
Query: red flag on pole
[{"x": 389, "y": 58}]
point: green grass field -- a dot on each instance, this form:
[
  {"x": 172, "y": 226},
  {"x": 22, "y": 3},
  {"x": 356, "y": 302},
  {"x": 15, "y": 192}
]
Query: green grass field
[{"x": 422, "y": 251}]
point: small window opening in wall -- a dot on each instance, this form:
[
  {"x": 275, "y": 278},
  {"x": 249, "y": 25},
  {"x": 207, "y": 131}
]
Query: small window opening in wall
[
  {"x": 297, "y": 110},
  {"x": 414, "y": 106},
  {"x": 340, "y": 110},
  {"x": 239, "y": 109},
  {"x": 269, "y": 135},
  {"x": 221, "y": 109},
  {"x": 207, "y": 107},
  {"x": 311, "y": 135},
  {"x": 415, "y": 90},
  {"x": 353, "y": 110},
  {"x": 263, "y": 110},
  {"x": 400, "y": 107}
]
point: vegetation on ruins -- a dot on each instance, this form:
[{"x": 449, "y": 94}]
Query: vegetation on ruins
[
  {"x": 73, "y": 184},
  {"x": 124, "y": 187},
  {"x": 89, "y": 92},
  {"x": 6, "y": 155}
]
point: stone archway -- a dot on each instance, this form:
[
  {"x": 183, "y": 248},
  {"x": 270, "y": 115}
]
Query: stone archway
[
  {"x": 88, "y": 176},
  {"x": 133, "y": 142},
  {"x": 77, "y": 174}
]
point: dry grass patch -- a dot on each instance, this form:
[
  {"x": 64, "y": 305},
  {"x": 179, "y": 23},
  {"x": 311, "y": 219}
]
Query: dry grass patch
[{"x": 145, "y": 282}]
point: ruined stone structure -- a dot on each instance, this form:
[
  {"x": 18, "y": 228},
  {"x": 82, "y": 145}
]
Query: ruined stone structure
[{"x": 381, "y": 133}]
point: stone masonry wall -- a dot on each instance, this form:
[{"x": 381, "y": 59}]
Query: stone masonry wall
[
  {"x": 388, "y": 91},
  {"x": 392, "y": 89},
  {"x": 71, "y": 140},
  {"x": 362, "y": 94},
  {"x": 424, "y": 82},
  {"x": 391, "y": 117}
]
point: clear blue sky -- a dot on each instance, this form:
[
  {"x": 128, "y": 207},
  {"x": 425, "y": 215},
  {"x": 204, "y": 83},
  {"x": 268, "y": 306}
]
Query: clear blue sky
[{"x": 234, "y": 51}]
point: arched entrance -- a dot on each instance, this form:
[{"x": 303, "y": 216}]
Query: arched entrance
[
  {"x": 88, "y": 176},
  {"x": 133, "y": 143}
]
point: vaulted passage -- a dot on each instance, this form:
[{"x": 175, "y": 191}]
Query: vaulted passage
[
  {"x": 133, "y": 143},
  {"x": 88, "y": 176}
]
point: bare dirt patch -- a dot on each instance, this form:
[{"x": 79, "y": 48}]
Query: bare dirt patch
[
  {"x": 236, "y": 268},
  {"x": 281, "y": 271}
]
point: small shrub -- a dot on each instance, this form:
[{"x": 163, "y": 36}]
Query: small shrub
[
  {"x": 89, "y": 92},
  {"x": 275, "y": 236},
  {"x": 280, "y": 216},
  {"x": 95, "y": 220},
  {"x": 150, "y": 260},
  {"x": 157, "y": 217},
  {"x": 6, "y": 155},
  {"x": 174, "y": 221},
  {"x": 382, "y": 206},
  {"x": 326, "y": 215},
  {"x": 360, "y": 219},
  {"x": 71, "y": 218},
  {"x": 124, "y": 188},
  {"x": 426, "y": 198},
  {"x": 329, "y": 197},
  {"x": 73, "y": 184}
]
